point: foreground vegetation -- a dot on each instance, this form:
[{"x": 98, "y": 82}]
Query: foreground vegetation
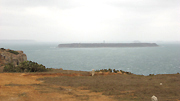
[
  {"x": 112, "y": 70},
  {"x": 121, "y": 87},
  {"x": 125, "y": 87},
  {"x": 11, "y": 51},
  {"x": 26, "y": 66},
  {"x": 14, "y": 52}
]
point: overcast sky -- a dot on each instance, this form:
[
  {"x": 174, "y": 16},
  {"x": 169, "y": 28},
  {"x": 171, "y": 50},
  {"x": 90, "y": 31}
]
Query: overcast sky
[{"x": 90, "y": 20}]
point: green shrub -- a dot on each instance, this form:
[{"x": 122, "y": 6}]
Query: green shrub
[
  {"x": 14, "y": 52},
  {"x": 26, "y": 66},
  {"x": 122, "y": 71},
  {"x": 29, "y": 66},
  {"x": 9, "y": 68},
  {"x": 97, "y": 70},
  {"x": 151, "y": 74},
  {"x": 2, "y": 49},
  {"x": 105, "y": 70},
  {"x": 115, "y": 71},
  {"x": 110, "y": 70}
]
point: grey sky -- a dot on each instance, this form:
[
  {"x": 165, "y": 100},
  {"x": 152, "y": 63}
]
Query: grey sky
[{"x": 90, "y": 20}]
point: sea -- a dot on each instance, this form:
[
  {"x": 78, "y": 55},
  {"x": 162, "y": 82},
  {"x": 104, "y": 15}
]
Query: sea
[{"x": 164, "y": 59}]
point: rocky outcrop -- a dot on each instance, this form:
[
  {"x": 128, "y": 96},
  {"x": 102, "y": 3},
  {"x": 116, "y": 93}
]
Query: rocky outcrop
[{"x": 11, "y": 56}]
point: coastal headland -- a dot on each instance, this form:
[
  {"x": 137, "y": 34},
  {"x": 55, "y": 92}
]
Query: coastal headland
[
  {"x": 69, "y": 85},
  {"x": 97, "y": 45}
]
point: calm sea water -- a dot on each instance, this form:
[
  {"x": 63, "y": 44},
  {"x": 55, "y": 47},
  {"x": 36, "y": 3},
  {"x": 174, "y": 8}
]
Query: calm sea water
[{"x": 143, "y": 60}]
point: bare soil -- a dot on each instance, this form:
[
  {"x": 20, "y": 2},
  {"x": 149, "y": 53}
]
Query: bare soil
[{"x": 67, "y": 85}]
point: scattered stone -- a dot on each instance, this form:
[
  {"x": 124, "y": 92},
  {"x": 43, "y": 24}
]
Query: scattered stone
[
  {"x": 154, "y": 98},
  {"x": 119, "y": 72},
  {"x": 93, "y": 72},
  {"x": 100, "y": 72}
]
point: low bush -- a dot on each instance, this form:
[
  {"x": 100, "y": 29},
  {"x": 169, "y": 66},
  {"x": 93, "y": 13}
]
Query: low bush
[
  {"x": 151, "y": 74},
  {"x": 14, "y": 52},
  {"x": 114, "y": 70},
  {"x": 2, "y": 49},
  {"x": 9, "y": 68},
  {"x": 110, "y": 70},
  {"x": 104, "y": 70},
  {"x": 97, "y": 70},
  {"x": 26, "y": 66}
]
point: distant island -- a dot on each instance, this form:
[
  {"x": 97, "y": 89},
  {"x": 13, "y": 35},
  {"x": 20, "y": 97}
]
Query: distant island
[{"x": 98, "y": 45}]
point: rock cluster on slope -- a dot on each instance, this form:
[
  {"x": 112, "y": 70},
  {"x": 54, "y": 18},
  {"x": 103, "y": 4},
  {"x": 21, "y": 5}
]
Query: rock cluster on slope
[{"x": 11, "y": 56}]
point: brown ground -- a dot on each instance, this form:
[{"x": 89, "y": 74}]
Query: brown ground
[
  {"x": 61, "y": 85},
  {"x": 23, "y": 87}
]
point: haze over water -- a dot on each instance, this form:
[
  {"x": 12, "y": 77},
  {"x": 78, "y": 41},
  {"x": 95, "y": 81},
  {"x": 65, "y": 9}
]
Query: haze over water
[{"x": 140, "y": 60}]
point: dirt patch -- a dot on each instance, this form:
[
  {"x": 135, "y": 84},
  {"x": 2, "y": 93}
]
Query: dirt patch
[
  {"x": 25, "y": 87},
  {"x": 52, "y": 74}
]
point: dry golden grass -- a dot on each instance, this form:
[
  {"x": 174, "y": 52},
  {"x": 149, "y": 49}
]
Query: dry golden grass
[
  {"x": 125, "y": 87},
  {"x": 79, "y": 85}
]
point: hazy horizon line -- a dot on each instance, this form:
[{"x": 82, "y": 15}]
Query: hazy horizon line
[{"x": 104, "y": 41}]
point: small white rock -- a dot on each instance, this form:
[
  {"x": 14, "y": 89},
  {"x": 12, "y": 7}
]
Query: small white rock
[
  {"x": 93, "y": 72},
  {"x": 160, "y": 84},
  {"x": 154, "y": 98}
]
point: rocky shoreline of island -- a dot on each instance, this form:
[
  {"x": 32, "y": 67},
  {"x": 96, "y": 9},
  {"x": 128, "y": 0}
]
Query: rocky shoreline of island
[{"x": 99, "y": 45}]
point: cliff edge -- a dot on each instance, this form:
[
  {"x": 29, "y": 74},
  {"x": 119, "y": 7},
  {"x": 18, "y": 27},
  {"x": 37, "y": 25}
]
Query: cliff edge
[{"x": 11, "y": 56}]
